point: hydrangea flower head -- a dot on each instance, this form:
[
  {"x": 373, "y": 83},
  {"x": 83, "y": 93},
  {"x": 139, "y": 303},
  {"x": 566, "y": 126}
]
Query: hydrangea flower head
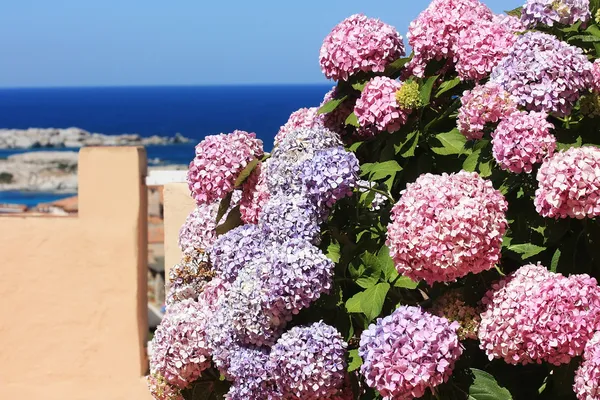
[
  {"x": 235, "y": 249},
  {"x": 198, "y": 232},
  {"x": 377, "y": 107},
  {"x": 569, "y": 184},
  {"x": 550, "y": 12},
  {"x": 408, "y": 352},
  {"x": 252, "y": 378},
  {"x": 434, "y": 34},
  {"x": 542, "y": 73},
  {"x": 523, "y": 139},
  {"x": 180, "y": 350},
  {"x": 587, "y": 377},
  {"x": 291, "y": 216},
  {"x": 302, "y": 118},
  {"x": 255, "y": 194},
  {"x": 484, "y": 104},
  {"x": 535, "y": 315},
  {"x": 219, "y": 160},
  {"x": 408, "y": 97},
  {"x": 357, "y": 44},
  {"x": 447, "y": 226},
  {"x": 596, "y": 75},
  {"x": 309, "y": 362},
  {"x": 480, "y": 47},
  {"x": 510, "y": 22}
]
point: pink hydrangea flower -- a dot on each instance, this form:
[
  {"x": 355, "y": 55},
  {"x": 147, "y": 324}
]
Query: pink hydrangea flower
[
  {"x": 255, "y": 194},
  {"x": 198, "y": 231},
  {"x": 523, "y": 139},
  {"x": 535, "y": 315},
  {"x": 408, "y": 352},
  {"x": 480, "y": 47},
  {"x": 596, "y": 76},
  {"x": 510, "y": 22},
  {"x": 485, "y": 104},
  {"x": 587, "y": 377},
  {"x": 180, "y": 351},
  {"x": 359, "y": 43},
  {"x": 302, "y": 118},
  {"x": 218, "y": 162},
  {"x": 446, "y": 226},
  {"x": 433, "y": 35},
  {"x": 377, "y": 107},
  {"x": 569, "y": 184}
]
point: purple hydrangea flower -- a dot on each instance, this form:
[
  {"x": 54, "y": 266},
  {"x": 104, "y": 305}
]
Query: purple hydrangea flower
[
  {"x": 252, "y": 378},
  {"x": 309, "y": 362},
  {"x": 550, "y": 12},
  {"x": 290, "y": 216}
]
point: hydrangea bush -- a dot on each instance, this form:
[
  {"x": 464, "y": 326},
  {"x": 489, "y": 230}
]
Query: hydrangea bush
[{"x": 429, "y": 229}]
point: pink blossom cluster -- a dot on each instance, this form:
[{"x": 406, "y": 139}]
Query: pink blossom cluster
[
  {"x": 480, "y": 47},
  {"x": 377, "y": 107},
  {"x": 218, "y": 162},
  {"x": 447, "y": 226},
  {"x": 357, "y": 44},
  {"x": 434, "y": 34},
  {"x": 408, "y": 352},
  {"x": 596, "y": 76},
  {"x": 198, "y": 230},
  {"x": 483, "y": 105},
  {"x": 587, "y": 377},
  {"x": 569, "y": 184},
  {"x": 510, "y": 22},
  {"x": 535, "y": 315},
  {"x": 523, "y": 139},
  {"x": 255, "y": 194},
  {"x": 302, "y": 118},
  {"x": 180, "y": 350}
]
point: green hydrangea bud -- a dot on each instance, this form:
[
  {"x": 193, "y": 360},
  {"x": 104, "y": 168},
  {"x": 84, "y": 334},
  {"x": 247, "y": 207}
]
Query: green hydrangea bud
[
  {"x": 409, "y": 96},
  {"x": 590, "y": 105}
]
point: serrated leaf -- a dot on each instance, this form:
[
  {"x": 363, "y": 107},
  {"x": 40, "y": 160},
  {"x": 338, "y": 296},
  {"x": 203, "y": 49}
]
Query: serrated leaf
[
  {"x": 566, "y": 146},
  {"x": 408, "y": 146},
  {"x": 515, "y": 12},
  {"x": 370, "y": 301},
  {"x": 470, "y": 164},
  {"x": 593, "y": 30},
  {"x": 359, "y": 85},
  {"x": 223, "y": 207},
  {"x": 380, "y": 170},
  {"x": 406, "y": 283},
  {"x": 448, "y": 85},
  {"x": 354, "y": 146},
  {"x": 396, "y": 66},
  {"x": 234, "y": 219},
  {"x": 426, "y": 88},
  {"x": 453, "y": 142},
  {"x": 331, "y": 105},
  {"x": 485, "y": 169},
  {"x": 354, "y": 361},
  {"x": 386, "y": 264},
  {"x": 485, "y": 387},
  {"x": 585, "y": 38},
  {"x": 333, "y": 252},
  {"x": 369, "y": 278},
  {"x": 555, "y": 260},
  {"x": 526, "y": 250},
  {"x": 246, "y": 172},
  {"x": 352, "y": 120}
]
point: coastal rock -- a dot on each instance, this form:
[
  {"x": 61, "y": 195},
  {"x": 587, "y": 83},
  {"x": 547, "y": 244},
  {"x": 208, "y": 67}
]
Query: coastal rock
[{"x": 76, "y": 138}]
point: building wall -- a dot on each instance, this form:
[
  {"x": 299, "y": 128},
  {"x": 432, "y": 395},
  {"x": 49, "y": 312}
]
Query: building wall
[
  {"x": 73, "y": 317},
  {"x": 178, "y": 205}
]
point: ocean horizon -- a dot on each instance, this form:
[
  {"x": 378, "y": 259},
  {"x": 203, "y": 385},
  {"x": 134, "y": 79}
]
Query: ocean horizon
[{"x": 193, "y": 111}]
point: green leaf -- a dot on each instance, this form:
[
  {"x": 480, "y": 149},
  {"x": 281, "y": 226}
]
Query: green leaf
[
  {"x": 386, "y": 264},
  {"x": 584, "y": 38},
  {"x": 566, "y": 146},
  {"x": 426, "y": 89},
  {"x": 369, "y": 278},
  {"x": 234, "y": 219},
  {"x": 354, "y": 147},
  {"x": 246, "y": 172},
  {"x": 594, "y": 6},
  {"x": 526, "y": 250},
  {"x": 555, "y": 260},
  {"x": 352, "y": 120},
  {"x": 223, "y": 207},
  {"x": 412, "y": 140},
  {"x": 485, "y": 169},
  {"x": 516, "y": 12},
  {"x": 406, "y": 283},
  {"x": 369, "y": 302},
  {"x": 485, "y": 387},
  {"x": 594, "y": 30},
  {"x": 333, "y": 252},
  {"x": 355, "y": 361},
  {"x": 448, "y": 85},
  {"x": 331, "y": 105},
  {"x": 453, "y": 142},
  {"x": 381, "y": 170},
  {"x": 360, "y": 85},
  {"x": 471, "y": 162},
  {"x": 396, "y": 66}
]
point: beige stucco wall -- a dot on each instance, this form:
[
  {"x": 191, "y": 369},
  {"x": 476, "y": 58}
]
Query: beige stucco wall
[
  {"x": 73, "y": 289},
  {"x": 178, "y": 205}
]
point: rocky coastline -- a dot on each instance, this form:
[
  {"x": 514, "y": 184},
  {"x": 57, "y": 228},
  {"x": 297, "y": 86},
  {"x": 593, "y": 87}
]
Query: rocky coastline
[{"x": 76, "y": 138}]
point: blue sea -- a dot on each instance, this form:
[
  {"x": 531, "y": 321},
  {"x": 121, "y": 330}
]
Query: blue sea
[{"x": 193, "y": 111}]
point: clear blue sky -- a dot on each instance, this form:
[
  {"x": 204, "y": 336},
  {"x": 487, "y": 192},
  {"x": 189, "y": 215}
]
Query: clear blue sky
[{"x": 180, "y": 42}]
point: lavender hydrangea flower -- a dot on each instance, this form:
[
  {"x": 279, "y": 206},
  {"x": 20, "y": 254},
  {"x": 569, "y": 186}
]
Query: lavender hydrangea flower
[
  {"x": 252, "y": 378},
  {"x": 234, "y": 249},
  {"x": 550, "y": 12},
  {"x": 542, "y": 73},
  {"x": 290, "y": 216},
  {"x": 309, "y": 362}
]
